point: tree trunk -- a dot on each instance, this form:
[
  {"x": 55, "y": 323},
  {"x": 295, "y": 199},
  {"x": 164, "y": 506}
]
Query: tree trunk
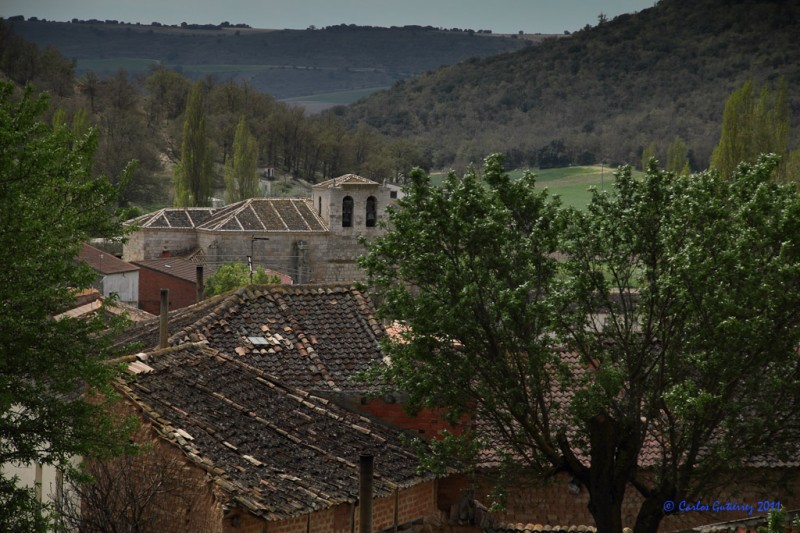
[
  {"x": 607, "y": 480},
  {"x": 650, "y": 515}
]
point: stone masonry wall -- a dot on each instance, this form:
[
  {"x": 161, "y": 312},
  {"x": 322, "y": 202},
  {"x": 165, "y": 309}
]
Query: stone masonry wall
[{"x": 150, "y": 243}]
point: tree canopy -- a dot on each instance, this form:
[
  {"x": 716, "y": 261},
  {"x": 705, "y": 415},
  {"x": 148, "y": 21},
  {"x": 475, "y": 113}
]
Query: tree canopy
[
  {"x": 194, "y": 173},
  {"x": 752, "y": 124},
  {"x": 612, "y": 344},
  {"x": 241, "y": 180},
  {"x": 234, "y": 275},
  {"x": 52, "y": 372}
]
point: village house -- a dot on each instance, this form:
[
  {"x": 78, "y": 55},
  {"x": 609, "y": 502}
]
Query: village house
[
  {"x": 246, "y": 389},
  {"x": 114, "y": 276},
  {"x": 311, "y": 240}
]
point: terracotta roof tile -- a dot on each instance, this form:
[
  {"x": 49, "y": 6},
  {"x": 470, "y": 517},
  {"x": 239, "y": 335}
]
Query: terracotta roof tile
[
  {"x": 104, "y": 262},
  {"x": 174, "y": 266},
  {"x": 312, "y": 337},
  {"x": 277, "y": 450}
]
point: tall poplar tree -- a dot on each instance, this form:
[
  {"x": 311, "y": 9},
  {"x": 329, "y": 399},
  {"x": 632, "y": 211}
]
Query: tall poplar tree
[
  {"x": 193, "y": 174},
  {"x": 751, "y": 126},
  {"x": 241, "y": 180},
  {"x": 677, "y": 160}
]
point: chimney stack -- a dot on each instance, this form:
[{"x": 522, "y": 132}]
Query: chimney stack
[
  {"x": 199, "y": 283},
  {"x": 366, "y": 465},
  {"x": 163, "y": 333}
]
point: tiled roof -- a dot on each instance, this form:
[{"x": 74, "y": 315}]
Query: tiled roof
[
  {"x": 174, "y": 217},
  {"x": 104, "y": 262},
  {"x": 345, "y": 180},
  {"x": 275, "y": 450},
  {"x": 174, "y": 266},
  {"x": 313, "y": 337},
  {"x": 267, "y": 214},
  {"x": 91, "y": 305}
]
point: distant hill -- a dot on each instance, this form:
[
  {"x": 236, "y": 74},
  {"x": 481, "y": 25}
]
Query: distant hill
[
  {"x": 603, "y": 93},
  {"x": 283, "y": 63}
]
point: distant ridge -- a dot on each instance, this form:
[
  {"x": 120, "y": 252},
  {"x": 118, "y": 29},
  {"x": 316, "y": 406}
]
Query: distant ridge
[
  {"x": 283, "y": 63},
  {"x": 603, "y": 93}
]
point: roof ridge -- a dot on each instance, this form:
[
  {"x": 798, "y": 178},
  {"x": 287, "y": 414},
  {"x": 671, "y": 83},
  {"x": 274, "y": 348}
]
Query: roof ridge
[{"x": 292, "y": 203}]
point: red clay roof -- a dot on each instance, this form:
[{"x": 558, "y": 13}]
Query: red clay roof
[
  {"x": 174, "y": 266},
  {"x": 104, "y": 262}
]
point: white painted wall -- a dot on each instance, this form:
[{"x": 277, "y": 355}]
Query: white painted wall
[{"x": 125, "y": 284}]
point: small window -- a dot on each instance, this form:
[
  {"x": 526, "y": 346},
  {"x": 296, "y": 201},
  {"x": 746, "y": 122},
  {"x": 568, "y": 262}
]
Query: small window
[
  {"x": 319, "y": 206},
  {"x": 392, "y": 194},
  {"x": 347, "y": 212},
  {"x": 372, "y": 211}
]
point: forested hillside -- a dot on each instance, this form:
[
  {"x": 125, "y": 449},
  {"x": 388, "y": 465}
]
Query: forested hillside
[
  {"x": 602, "y": 94},
  {"x": 282, "y": 63},
  {"x": 142, "y": 118}
]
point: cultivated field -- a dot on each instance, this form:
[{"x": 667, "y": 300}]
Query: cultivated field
[{"x": 571, "y": 184}]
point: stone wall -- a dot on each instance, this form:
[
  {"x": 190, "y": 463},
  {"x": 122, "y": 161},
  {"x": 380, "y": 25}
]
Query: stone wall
[{"x": 151, "y": 243}]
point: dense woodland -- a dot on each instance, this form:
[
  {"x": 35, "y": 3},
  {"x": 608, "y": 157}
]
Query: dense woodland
[
  {"x": 141, "y": 118},
  {"x": 610, "y": 93},
  {"x": 602, "y": 94}
]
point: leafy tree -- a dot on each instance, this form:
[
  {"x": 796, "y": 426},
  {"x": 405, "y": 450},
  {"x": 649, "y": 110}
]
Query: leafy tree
[
  {"x": 657, "y": 363},
  {"x": 166, "y": 94},
  {"x": 752, "y": 126},
  {"x": 193, "y": 174},
  {"x": 648, "y": 154},
  {"x": 234, "y": 275},
  {"x": 677, "y": 157},
  {"x": 241, "y": 180},
  {"x": 52, "y": 374}
]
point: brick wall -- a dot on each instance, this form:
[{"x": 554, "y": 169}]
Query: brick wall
[
  {"x": 412, "y": 504},
  {"x": 427, "y": 423},
  {"x": 181, "y": 292},
  {"x": 552, "y": 503}
]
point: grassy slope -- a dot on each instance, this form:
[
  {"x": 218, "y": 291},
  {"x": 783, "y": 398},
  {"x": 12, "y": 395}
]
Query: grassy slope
[{"x": 571, "y": 184}]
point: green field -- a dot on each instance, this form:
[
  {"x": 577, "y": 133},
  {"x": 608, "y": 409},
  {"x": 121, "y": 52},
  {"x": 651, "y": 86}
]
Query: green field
[{"x": 571, "y": 184}]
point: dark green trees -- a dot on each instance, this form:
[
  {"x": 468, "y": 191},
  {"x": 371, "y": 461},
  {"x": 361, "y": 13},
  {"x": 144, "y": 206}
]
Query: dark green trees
[
  {"x": 51, "y": 371},
  {"x": 752, "y": 124},
  {"x": 656, "y": 353},
  {"x": 241, "y": 180},
  {"x": 193, "y": 174}
]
